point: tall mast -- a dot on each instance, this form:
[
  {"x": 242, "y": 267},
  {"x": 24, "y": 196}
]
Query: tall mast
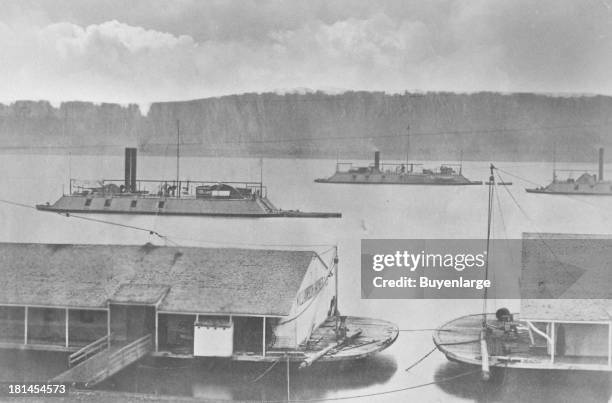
[
  {"x": 337, "y": 158},
  {"x": 489, "y": 225},
  {"x": 261, "y": 176},
  {"x": 178, "y": 155},
  {"x": 67, "y": 140},
  {"x": 407, "y": 144},
  {"x": 335, "y": 263}
]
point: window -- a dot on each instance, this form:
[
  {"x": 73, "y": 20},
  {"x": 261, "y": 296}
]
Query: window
[
  {"x": 133, "y": 203},
  {"x": 161, "y": 204},
  {"x": 87, "y": 202},
  {"x": 107, "y": 202}
]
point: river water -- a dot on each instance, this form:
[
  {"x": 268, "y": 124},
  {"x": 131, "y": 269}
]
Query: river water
[{"x": 368, "y": 212}]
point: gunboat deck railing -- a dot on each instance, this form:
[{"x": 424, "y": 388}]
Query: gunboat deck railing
[
  {"x": 154, "y": 188},
  {"x": 405, "y": 168}
]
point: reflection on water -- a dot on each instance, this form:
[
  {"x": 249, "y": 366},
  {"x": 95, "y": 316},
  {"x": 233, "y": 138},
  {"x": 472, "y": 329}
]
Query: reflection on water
[
  {"x": 226, "y": 380},
  {"x": 26, "y": 365},
  {"x": 512, "y": 385},
  {"x": 368, "y": 212}
]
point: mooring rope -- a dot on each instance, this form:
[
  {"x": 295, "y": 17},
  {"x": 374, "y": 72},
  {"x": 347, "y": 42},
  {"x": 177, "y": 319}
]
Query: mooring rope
[
  {"x": 421, "y": 359},
  {"x": 456, "y": 343},
  {"x": 150, "y": 231},
  {"x": 265, "y": 372},
  {"x": 13, "y": 203}
]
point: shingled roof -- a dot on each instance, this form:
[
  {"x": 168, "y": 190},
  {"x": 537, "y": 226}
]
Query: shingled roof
[
  {"x": 181, "y": 279},
  {"x": 566, "y": 277}
]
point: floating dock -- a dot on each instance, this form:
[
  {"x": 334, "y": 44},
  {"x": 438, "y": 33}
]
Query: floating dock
[
  {"x": 526, "y": 348},
  {"x": 110, "y": 305},
  {"x": 564, "y": 321}
]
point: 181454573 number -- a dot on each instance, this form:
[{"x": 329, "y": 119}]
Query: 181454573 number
[{"x": 33, "y": 389}]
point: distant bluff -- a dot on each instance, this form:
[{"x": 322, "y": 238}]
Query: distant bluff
[{"x": 481, "y": 126}]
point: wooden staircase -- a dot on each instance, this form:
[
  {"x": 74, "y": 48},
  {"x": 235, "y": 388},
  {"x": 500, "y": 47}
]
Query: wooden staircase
[{"x": 101, "y": 360}]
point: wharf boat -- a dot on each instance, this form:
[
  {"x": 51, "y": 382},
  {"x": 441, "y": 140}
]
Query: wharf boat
[
  {"x": 535, "y": 343},
  {"x": 398, "y": 174},
  {"x": 587, "y": 184},
  {"x": 565, "y": 319},
  {"x": 111, "y": 305},
  {"x": 171, "y": 198}
]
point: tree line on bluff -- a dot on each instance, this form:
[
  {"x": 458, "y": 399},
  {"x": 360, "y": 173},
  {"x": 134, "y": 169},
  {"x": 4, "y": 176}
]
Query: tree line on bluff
[{"x": 424, "y": 126}]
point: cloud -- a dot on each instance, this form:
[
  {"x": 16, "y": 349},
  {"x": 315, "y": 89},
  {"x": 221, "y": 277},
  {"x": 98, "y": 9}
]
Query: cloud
[
  {"x": 143, "y": 51},
  {"x": 111, "y": 61}
]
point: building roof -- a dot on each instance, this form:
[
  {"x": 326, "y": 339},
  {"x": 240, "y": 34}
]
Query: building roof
[
  {"x": 566, "y": 277},
  {"x": 146, "y": 294},
  {"x": 180, "y": 279}
]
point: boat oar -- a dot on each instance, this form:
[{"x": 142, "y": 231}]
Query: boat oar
[{"x": 310, "y": 360}]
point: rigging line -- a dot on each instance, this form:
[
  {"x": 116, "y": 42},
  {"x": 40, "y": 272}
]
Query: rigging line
[
  {"x": 499, "y": 207},
  {"x": 571, "y": 197},
  {"x": 518, "y": 205},
  {"x": 524, "y": 165},
  {"x": 518, "y": 177},
  {"x": 552, "y": 252},
  {"x": 321, "y": 254},
  {"x": 503, "y": 220}
]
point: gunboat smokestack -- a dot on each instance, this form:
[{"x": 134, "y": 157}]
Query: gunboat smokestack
[
  {"x": 377, "y": 160},
  {"x": 130, "y": 169}
]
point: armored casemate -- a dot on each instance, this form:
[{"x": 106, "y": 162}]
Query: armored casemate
[
  {"x": 586, "y": 184},
  {"x": 170, "y": 197},
  {"x": 398, "y": 174}
]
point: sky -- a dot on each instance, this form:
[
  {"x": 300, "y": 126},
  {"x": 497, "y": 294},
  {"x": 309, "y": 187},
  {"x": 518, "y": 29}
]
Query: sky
[{"x": 142, "y": 51}]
